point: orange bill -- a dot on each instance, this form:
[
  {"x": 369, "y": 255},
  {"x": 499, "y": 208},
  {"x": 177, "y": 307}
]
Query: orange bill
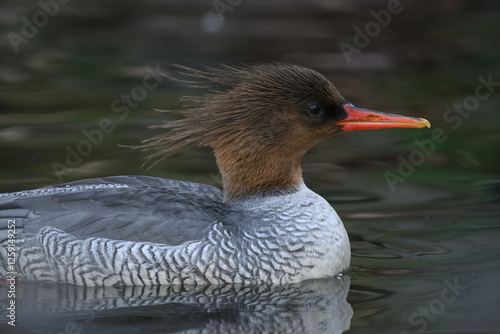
[{"x": 365, "y": 119}]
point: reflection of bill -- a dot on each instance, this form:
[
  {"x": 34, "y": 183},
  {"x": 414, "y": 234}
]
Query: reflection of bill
[{"x": 314, "y": 306}]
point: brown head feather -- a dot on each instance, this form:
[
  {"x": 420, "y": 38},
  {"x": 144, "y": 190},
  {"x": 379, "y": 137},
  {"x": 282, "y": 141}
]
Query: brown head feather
[{"x": 255, "y": 118}]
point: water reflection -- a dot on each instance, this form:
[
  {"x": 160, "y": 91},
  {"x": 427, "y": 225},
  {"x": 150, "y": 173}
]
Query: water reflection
[{"x": 316, "y": 306}]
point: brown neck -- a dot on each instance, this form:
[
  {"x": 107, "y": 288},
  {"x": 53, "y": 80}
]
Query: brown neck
[{"x": 244, "y": 173}]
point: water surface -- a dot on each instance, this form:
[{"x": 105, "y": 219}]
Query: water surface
[{"x": 421, "y": 209}]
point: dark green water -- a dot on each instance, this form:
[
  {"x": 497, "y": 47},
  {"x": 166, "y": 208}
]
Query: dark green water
[{"x": 421, "y": 206}]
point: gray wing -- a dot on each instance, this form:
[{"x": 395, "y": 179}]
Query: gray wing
[{"x": 134, "y": 208}]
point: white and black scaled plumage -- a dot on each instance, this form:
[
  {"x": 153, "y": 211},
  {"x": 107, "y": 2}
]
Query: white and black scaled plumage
[
  {"x": 134, "y": 230},
  {"x": 266, "y": 227}
]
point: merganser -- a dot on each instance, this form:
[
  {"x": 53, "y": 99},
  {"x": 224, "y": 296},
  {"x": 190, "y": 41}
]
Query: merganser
[{"x": 265, "y": 227}]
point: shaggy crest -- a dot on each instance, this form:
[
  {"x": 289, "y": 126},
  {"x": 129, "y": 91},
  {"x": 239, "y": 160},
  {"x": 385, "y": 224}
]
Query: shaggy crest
[{"x": 239, "y": 101}]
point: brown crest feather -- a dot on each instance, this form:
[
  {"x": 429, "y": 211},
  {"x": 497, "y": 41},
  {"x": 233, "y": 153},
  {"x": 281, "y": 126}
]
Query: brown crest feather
[{"x": 249, "y": 117}]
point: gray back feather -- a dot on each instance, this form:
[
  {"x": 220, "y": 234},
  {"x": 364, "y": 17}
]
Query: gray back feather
[{"x": 133, "y": 208}]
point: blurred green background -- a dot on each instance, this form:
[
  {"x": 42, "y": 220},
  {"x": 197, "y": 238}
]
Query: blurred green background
[
  {"x": 441, "y": 222},
  {"x": 65, "y": 78}
]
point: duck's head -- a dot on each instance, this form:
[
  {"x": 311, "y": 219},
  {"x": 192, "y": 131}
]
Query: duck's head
[{"x": 260, "y": 120}]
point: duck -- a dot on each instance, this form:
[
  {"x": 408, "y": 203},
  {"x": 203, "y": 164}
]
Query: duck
[{"x": 265, "y": 226}]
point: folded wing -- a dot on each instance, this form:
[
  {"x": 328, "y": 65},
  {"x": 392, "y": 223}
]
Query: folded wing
[{"x": 133, "y": 208}]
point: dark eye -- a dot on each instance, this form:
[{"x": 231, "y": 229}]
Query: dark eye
[{"x": 315, "y": 110}]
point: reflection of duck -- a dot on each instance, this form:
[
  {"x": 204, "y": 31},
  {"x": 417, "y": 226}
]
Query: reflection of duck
[
  {"x": 314, "y": 306},
  {"x": 266, "y": 227}
]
